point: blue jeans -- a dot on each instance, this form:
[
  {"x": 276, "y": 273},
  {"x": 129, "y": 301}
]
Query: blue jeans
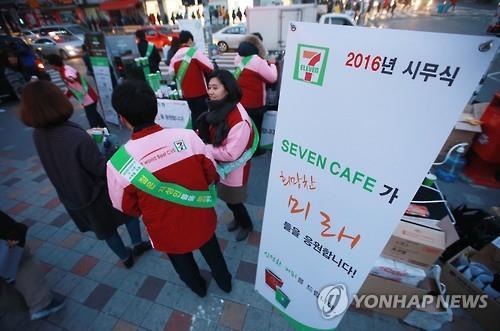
[{"x": 116, "y": 244}]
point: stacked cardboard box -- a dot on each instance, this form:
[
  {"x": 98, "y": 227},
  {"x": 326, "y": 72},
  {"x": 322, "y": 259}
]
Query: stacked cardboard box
[
  {"x": 457, "y": 283},
  {"x": 417, "y": 242}
]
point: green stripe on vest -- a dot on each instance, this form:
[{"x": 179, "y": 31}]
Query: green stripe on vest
[
  {"x": 241, "y": 66},
  {"x": 149, "y": 50},
  {"x": 85, "y": 88},
  {"x": 145, "y": 181},
  {"x": 225, "y": 168},
  {"x": 183, "y": 68}
]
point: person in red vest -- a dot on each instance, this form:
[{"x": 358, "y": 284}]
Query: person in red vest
[
  {"x": 79, "y": 89},
  {"x": 189, "y": 66},
  {"x": 168, "y": 177},
  {"x": 253, "y": 72},
  {"x": 231, "y": 139}
]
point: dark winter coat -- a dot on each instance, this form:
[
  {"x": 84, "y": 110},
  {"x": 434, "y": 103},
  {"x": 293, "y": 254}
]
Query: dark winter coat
[
  {"x": 257, "y": 44},
  {"x": 154, "y": 58},
  {"x": 77, "y": 170}
]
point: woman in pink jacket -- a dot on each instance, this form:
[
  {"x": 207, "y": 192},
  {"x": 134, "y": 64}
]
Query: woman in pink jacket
[
  {"x": 228, "y": 130},
  {"x": 253, "y": 72},
  {"x": 78, "y": 88}
]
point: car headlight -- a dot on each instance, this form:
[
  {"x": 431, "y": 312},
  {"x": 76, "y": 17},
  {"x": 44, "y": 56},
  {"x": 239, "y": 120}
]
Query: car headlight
[
  {"x": 169, "y": 38},
  {"x": 69, "y": 48}
]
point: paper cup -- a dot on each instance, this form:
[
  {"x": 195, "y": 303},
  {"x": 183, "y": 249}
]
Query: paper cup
[
  {"x": 97, "y": 135},
  {"x": 429, "y": 179}
]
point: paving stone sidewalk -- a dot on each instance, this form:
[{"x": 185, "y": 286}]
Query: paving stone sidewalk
[{"x": 103, "y": 295}]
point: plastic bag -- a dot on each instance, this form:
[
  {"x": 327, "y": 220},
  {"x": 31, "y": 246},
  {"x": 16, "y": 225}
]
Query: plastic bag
[{"x": 431, "y": 320}]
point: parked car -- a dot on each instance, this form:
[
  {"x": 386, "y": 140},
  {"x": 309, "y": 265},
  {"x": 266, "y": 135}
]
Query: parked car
[
  {"x": 338, "y": 19},
  {"x": 229, "y": 37},
  {"x": 77, "y": 30},
  {"x": 66, "y": 46},
  {"x": 160, "y": 35},
  {"x": 65, "y": 29},
  {"x": 28, "y": 36}
]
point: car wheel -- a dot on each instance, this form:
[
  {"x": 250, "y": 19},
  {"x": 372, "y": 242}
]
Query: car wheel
[
  {"x": 63, "y": 54},
  {"x": 223, "y": 47}
]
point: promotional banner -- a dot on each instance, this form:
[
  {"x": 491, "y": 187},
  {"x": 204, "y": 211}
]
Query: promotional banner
[
  {"x": 104, "y": 85},
  {"x": 362, "y": 115},
  {"x": 96, "y": 45},
  {"x": 195, "y": 27},
  {"x": 173, "y": 114}
]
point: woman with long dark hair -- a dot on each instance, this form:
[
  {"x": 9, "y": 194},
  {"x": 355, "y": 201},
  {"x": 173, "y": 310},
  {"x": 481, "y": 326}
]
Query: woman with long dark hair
[
  {"x": 188, "y": 66},
  {"x": 76, "y": 168},
  {"x": 228, "y": 130}
]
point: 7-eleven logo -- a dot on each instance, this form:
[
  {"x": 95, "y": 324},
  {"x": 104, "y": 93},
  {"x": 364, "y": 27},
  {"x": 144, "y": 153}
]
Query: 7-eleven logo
[{"x": 310, "y": 64}]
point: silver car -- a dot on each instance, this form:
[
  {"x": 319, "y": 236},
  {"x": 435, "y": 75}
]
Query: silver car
[
  {"x": 229, "y": 37},
  {"x": 28, "y": 36},
  {"x": 65, "y": 46},
  {"x": 76, "y": 30}
]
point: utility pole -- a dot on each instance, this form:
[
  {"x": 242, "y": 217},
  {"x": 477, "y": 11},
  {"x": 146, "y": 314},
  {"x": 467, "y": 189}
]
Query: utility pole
[{"x": 207, "y": 29}]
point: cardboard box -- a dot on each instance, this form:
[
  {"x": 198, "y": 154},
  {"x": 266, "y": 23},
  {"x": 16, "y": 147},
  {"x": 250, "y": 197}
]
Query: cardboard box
[
  {"x": 489, "y": 256},
  {"x": 415, "y": 244},
  {"x": 420, "y": 242},
  {"x": 462, "y": 133},
  {"x": 456, "y": 283},
  {"x": 378, "y": 285}
]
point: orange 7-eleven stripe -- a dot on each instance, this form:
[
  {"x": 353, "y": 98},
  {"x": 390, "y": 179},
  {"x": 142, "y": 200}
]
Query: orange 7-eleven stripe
[{"x": 314, "y": 59}]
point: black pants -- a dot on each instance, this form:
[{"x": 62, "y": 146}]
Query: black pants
[
  {"x": 93, "y": 116},
  {"x": 257, "y": 116},
  {"x": 197, "y": 106},
  {"x": 188, "y": 271},
  {"x": 240, "y": 214}
]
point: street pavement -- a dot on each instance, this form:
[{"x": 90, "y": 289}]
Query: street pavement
[{"x": 102, "y": 295}]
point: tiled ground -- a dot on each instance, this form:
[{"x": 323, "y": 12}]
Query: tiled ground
[{"x": 102, "y": 295}]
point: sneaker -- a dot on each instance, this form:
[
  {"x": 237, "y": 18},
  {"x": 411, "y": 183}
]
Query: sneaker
[
  {"x": 233, "y": 225},
  {"x": 139, "y": 249},
  {"x": 129, "y": 262},
  {"x": 243, "y": 233},
  {"x": 54, "y": 306}
]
